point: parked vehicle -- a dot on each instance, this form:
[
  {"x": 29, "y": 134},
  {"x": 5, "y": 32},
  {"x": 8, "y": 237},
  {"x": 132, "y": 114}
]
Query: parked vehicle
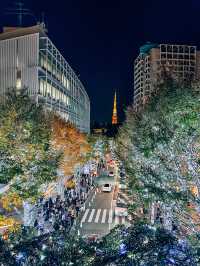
[
  {"x": 111, "y": 174},
  {"x": 107, "y": 188}
]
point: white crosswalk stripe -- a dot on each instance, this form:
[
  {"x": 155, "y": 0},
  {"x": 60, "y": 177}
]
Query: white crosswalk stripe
[
  {"x": 120, "y": 220},
  {"x": 91, "y": 216},
  {"x": 123, "y": 220},
  {"x": 116, "y": 220},
  {"x": 125, "y": 196},
  {"x": 104, "y": 216},
  {"x": 85, "y": 216},
  {"x": 97, "y": 216},
  {"x": 110, "y": 216}
]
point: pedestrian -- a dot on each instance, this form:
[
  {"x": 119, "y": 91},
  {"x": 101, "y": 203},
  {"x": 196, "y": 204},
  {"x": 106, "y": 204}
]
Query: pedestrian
[
  {"x": 77, "y": 209},
  {"x": 46, "y": 217},
  {"x": 72, "y": 219},
  {"x": 36, "y": 223},
  {"x": 70, "y": 201},
  {"x": 60, "y": 214},
  {"x": 50, "y": 203},
  {"x": 74, "y": 202},
  {"x": 52, "y": 219},
  {"x": 40, "y": 199},
  {"x": 56, "y": 226}
]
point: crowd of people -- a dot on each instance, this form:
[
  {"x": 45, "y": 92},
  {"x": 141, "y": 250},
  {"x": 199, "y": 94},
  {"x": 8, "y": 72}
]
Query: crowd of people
[{"x": 60, "y": 212}]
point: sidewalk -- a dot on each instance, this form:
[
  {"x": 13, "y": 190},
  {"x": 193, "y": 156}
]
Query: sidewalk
[
  {"x": 63, "y": 213},
  {"x": 81, "y": 213}
]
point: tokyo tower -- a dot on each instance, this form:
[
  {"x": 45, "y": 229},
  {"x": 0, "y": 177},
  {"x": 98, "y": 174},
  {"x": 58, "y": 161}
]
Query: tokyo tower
[{"x": 114, "y": 116}]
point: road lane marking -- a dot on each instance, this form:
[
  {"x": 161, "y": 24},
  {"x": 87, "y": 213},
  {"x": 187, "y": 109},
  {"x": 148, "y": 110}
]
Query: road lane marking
[
  {"x": 85, "y": 216},
  {"x": 123, "y": 220},
  {"x": 116, "y": 219},
  {"x": 128, "y": 200},
  {"x": 91, "y": 216},
  {"x": 104, "y": 216},
  {"x": 110, "y": 216},
  {"x": 97, "y": 216}
]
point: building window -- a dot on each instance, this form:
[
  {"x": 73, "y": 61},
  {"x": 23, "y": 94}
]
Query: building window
[
  {"x": 41, "y": 87},
  {"x": 169, "y": 56},
  {"x": 175, "y": 56},
  {"x": 175, "y": 49},
  {"x": 163, "y": 48},
  {"x": 186, "y": 49},
  {"x": 192, "y": 57},
  {"x": 181, "y": 50},
  {"x": 186, "y": 56},
  {"x": 192, "y": 49},
  {"x": 169, "y": 48},
  {"x": 49, "y": 89}
]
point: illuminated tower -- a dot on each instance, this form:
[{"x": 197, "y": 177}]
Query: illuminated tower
[{"x": 114, "y": 116}]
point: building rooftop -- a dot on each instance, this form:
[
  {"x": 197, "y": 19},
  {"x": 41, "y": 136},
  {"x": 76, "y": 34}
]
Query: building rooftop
[
  {"x": 144, "y": 49},
  {"x": 12, "y": 32}
]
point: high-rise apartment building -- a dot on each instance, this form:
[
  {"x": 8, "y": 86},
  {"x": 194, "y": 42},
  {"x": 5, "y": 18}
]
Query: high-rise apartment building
[
  {"x": 29, "y": 59},
  {"x": 182, "y": 62}
]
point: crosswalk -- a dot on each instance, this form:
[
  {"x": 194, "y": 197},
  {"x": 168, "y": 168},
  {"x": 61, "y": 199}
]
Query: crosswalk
[
  {"x": 103, "y": 220},
  {"x": 102, "y": 216},
  {"x": 125, "y": 197},
  {"x": 91, "y": 216}
]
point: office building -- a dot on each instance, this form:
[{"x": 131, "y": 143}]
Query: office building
[{"x": 29, "y": 59}]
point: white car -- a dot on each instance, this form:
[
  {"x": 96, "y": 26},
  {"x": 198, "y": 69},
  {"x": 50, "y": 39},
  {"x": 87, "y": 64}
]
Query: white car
[
  {"x": 121, "y": 209},
  {"x": 107, "y": 188}
]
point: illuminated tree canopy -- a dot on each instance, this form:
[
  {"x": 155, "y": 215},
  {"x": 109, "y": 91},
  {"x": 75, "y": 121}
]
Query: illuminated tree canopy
[
  {"x": 160, "y": 147},
  {"x": 71, "y": 142},
  {"x": 34, "y": 145}
]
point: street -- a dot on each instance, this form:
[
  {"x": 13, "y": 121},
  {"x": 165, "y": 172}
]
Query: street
[{"x": 98, "y": 217}]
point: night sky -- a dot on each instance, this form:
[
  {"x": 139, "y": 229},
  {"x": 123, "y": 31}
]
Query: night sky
[{"x": 101, "y": 38}]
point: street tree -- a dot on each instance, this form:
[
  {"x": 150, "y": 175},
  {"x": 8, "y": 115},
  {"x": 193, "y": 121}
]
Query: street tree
[
  {"x": 27, "y": 159},
  {"x": 138, "y": 245},
  {"x": 71, "y": 143},
  {"x": 160, "y": 149}
]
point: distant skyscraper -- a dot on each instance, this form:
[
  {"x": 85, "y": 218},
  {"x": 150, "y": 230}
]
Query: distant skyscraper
[
  {"x": 114, "y": 116},
  {"x": 182, "y": 62}
]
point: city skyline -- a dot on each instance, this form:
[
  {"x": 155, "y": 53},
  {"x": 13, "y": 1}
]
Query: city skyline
[
  {"x": 81, "y": 180},
  {"x": 102, "y": 51}
]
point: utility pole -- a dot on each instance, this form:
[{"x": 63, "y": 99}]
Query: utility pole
[{"x": 20, "y": 10}]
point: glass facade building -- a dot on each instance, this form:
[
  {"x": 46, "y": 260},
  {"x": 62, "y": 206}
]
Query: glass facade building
[{"x": 29, "y": 59}]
